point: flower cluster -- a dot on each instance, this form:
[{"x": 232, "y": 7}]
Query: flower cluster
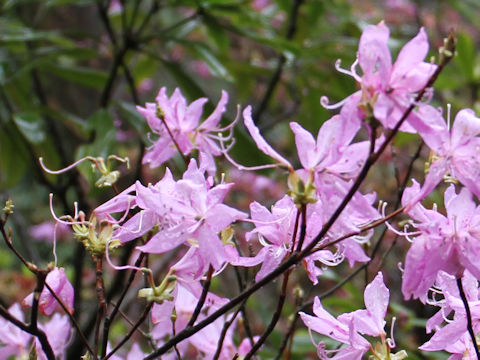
[{"x": 322, "y": 220}]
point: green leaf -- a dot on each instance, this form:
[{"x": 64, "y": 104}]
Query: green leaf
[
  {"x": 101, "y": 122},
  {"x": 80, "y": 75},
  {"x": 186, "y": 83},
  {"x": 216, "y": 33},
  {"x": 133, "y": 117},
  {"x": 31, "y": 125},
  {"x": 465, "y": 58},
  {"x": 214, "y": 65},
  {"x": 12, "y": 32},
  {"x": 13, "y": 155}
]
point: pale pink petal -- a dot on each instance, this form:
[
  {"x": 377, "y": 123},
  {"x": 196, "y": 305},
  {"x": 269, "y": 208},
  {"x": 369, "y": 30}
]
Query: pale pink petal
[
  {"x": 259, "y": 140},
  {"x": 411, "y": 55},
  {"x": 465, "y": 127},
  {"x": 374, "y": 56},
  {"x": 435, "y": 175},
  {"x": 212, "y": 121},
  {"x": 306, "y": 147},
  {"x": 193, "y": 114},
  {"x": 448, "y": 334}
]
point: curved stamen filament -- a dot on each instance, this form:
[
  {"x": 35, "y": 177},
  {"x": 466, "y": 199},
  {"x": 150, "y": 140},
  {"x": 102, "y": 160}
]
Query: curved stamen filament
[
  {"x": 57, "y": 219},
  {"x": 61, "y": 171},
  {"x": 241, "y": 167},
  {"x": 352, "y": 72},
  {"x": 324, "y": 101},
  {"x": 117, "y": 267}
]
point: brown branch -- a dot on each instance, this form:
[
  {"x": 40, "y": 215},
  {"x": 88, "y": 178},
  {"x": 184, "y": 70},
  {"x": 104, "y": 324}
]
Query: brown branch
[{"x": 132, "y": 330}]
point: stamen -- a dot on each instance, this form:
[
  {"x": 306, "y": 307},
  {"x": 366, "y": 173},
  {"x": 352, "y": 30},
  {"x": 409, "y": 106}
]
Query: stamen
[
  {"x": 57, "y": 219},
  {"x": 395, "y": 231},
  {"x": 350, "y": 72},
  {"x": 124, "y": 216},
  {"x": 449, "y": 112},
  {"x": 324, "y": 101},
  {"x": 116, "y": 267},
  {"x": 56, "y": 172},
  {"x": 241, "y": 167},
  {"x": 391, "y": 341},
  {"x": 54, "y": 250}
]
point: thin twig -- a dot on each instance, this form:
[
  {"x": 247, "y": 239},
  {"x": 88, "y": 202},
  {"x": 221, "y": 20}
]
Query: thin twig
[
  {"x": 101, "y": 301},
  {"x": 469, "y": 316},
  {"x": 223, "y": 333},
  {"x": 71, "y": 317},
  {"x": 292, "y": 27},
  {"x": 275, "y": 318},
  {"x": 131, "y": 332},
  {"x": 203, "y": 297},
  {"x": 109, "y": 319}
]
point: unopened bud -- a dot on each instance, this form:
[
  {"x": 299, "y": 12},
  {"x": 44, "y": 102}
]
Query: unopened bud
[
  {"x": 447, "y": 51},
  {"x": 8, "y": 209}
]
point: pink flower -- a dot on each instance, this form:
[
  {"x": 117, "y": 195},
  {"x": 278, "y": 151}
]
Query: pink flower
[
  {"x": 58, "y": 330},
  {"x": 346, "y": 327},
  {"x": 13, "y": 341},
  {"x": 47, "y": 231},
  {"x": 449, "y": 243},
  {"x": 455, "y": 151},
  {"x": 188, "y": 211},
  {"x": 59, "y": 283},
  {"x": 388, "y": 90},
  {"x": 172, "y": 117},
  {"x": 453, "y": 337}
]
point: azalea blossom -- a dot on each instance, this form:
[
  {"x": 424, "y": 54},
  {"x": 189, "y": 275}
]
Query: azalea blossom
[
  {"x": 347, "y": 328},
  {"x": 449, "y": 243},
  {"x": 453, "y": 336},
  {"x": 57, "y": 280},
  {"x": 387, "y": 90},
  {"x": 456, "y": 151},
  {"x": 178, "y": 125},
  {"x": 188, "y": 211},
  {"x": 13, "y": 341}
]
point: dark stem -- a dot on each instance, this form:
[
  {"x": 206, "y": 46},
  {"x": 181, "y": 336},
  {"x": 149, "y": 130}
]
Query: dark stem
[
  {"x": 275, "y": 318},
  {"x": 132, "y": 330},
  {"x": 303, "y": 227},
  {"x": 469, "y": 316},
  {"x": 101, "y": 301},
  {"x": 71, "y": 317},
  {"x": 287, "y": 337},
  {"x": 203, "y": 296},
  {"x": 110, "y": 318},
  {"x": 225, "y": 328},
  {"x": 292, "y": 28}
]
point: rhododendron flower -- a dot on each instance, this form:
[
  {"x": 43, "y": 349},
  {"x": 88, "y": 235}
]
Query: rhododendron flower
[
  {"x": 456, "y": 151},
  {"x": 48, "y": 230},
  {"x": 187, "y": 211},
  {"x": 388, "y": 90},
  {"x": 177, "y": 124},
  {"x": 13, "y": 341},
  {"x": 275, "y": 231},
  {"x": 347, "y": 328},
  {"x": 449, "y": 243},
  {"x": 58, "y": 334},
  {"x": 454, "y": 337},
  {"x": 57, "y": 280},
  {"x": 206, "y": 340}
]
